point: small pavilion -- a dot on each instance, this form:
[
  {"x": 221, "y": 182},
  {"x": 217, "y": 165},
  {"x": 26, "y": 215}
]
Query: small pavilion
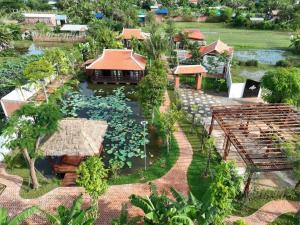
[
  {"x": 258, "y": 133},
  {"x": 75, "y": 139},
  {"x": 190, "y": 70},
  {"x": 128, "y": 34}
]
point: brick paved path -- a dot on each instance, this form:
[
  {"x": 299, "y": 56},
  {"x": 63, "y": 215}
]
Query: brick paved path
[
  {"x": 111, "y": 202},
  {"x": 269, "y": 212}
]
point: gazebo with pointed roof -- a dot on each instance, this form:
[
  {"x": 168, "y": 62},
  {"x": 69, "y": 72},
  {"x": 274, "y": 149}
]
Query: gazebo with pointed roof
[{"x": 216, "y": 48}]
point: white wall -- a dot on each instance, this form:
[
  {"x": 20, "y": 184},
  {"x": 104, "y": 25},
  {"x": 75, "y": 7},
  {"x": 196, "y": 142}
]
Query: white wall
[{"x": 236, "y": 90}]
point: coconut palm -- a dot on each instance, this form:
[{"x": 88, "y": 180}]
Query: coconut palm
[{"x": 19, "y": 218}]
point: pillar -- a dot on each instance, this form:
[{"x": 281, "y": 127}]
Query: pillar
[
  {"x": 198, "y": 81},
  {"x": 226, "y": 148},
  {"x": 248, "y": 182},
  {"x": 177, "y": 81},
  {"x": 211, "y": 125}
]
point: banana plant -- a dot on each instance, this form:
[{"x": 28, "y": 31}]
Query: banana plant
[
  {"x": 19, "y": 218},
  {"x": 73, "y": 216},
  {"x": 159, "y": 209}
]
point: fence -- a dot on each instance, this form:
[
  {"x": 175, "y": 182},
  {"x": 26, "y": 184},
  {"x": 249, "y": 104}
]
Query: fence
[{"x": 58, "y": 38}]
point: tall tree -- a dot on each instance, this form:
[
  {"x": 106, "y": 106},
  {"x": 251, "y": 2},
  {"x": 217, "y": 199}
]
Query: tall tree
[
  {"x": 37, "y": 72},
  {"x": 58, "y": 58},
  {"x": 26, "y": 129},
  {"x": 282, "y": 86}
]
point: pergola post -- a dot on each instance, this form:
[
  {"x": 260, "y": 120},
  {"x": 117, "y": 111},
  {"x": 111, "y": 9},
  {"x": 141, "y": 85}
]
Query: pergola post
[
  {"x": 226, "y": 147},
  {"x": 198, "y": 81},
  {"x": 177, "y": 81},
  {"x": 211, "y": 125},
  {"x": 248, "y": 182}
]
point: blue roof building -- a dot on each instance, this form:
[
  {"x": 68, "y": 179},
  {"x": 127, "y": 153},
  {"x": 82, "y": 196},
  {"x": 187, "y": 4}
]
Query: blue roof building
[
  {"x": 162, "y": 11},
  {"x": 99, "y": 15}
]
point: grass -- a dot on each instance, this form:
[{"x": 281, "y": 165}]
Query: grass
[
  {"x": 159, "y": 168},
  {"x": 26, "y": 191},
  {"x": 287, "y": 219},
  {"x": 208, "y": 83},
  {"x": 241, "y": 38}
]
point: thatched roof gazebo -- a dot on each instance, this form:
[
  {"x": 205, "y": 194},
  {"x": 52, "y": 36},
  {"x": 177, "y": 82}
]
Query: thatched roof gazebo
[{"x": 76, "y": 137}]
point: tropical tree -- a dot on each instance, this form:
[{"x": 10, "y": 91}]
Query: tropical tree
[
  {"x": 170, "y": 31},
  {"x": 157, "y": 44},
  {"x": 292, "y": 150},
  {"x": 282, "y": 86},
  {"x": 221, "y": 193},
  {"x": 5, "y": 37},
  {"x": 152, "y": 87},
  {"x": 38, "y": 71},
  {"x": 19, "y": 218},
  {"x": 295, "y": 42},
  {"x": 26, "y": 129},
  {"x": 168, "y": 122},
  {"x": 209, "y": 146},
  {"x": 75, "y": 215},
  {"x": 124, "y": 219},
  {"x": 58, "y": 59},
  {"x": 93, "y": 177},
  {"x": 159, "y": 209}
]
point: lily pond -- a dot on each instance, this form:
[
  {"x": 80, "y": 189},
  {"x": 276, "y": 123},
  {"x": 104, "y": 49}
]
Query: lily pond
[{"x": 154, "y": 146}]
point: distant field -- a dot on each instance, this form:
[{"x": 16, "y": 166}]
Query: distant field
[{"x": 241, "y": 38}]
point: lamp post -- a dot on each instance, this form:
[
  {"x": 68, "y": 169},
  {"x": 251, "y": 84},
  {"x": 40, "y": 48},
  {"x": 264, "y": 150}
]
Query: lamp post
[{"x": 144, "y": 123}]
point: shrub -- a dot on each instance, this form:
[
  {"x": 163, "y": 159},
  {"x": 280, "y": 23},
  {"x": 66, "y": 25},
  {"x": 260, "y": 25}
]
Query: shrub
[
  {"x": 239, "y": 222},
  {"x": 251, "y": 62},
  {"x": 283, "y": 63},
  {"x": 17, "y": 16}
]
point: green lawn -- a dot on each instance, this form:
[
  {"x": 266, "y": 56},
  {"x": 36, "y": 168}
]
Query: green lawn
[
  {"x": 26, "y": 191},
  {"x": 159, "y": 168},
  {"x": 287, "y": 219},
  {"x": 241, "y": 38}
]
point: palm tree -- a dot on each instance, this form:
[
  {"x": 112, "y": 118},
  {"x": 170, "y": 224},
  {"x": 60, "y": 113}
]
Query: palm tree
[
  {"x": 75, "y": 215},
  {"x": 159, "y": 209},
  {"x": 19, "y": 218},
  {"x": 5, "y": 38}
]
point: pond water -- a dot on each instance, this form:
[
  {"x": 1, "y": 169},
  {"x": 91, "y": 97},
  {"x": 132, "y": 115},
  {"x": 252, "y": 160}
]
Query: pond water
[
  {"x": 263, "y": 56},
  {"x": 37, "y": 48},
  {"x": 154, "y": 146},
  {"x": 253, "y": 75}
]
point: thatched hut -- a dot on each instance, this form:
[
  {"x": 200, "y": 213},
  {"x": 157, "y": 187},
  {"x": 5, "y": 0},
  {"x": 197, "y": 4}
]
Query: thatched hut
[{"x": 76, "y": 137}]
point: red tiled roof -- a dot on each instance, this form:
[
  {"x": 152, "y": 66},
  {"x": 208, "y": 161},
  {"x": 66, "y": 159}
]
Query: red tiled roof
[
  {"x": 132, "y": 33},
  {"x": 218, "y": 47},
  {"x": 119, "y": 59},
  {"x": 190, "y": 69},
  {"x": 192, "y": 34}
]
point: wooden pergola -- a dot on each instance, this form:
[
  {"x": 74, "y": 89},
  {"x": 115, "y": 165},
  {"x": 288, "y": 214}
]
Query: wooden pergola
[{"x": 258, "y": 132}]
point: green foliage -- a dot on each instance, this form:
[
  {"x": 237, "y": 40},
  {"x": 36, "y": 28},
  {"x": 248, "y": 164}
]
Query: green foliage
[
  {"x": 114, "y": 167},
  {"x": 38, "y": 71},
  {"x": 17, "y": 16},
  {"x": 124, "y": 136},
  {"x": 239, "y": 222},
  {"x": 42, "y": 28},
  {"x": 124, "y": 219},
  {"x": 221, "y": 193},
  {"x": 283, "y": 63},
  {"x": 92, "y": 176},
  {"x": 295, "y": 43},
  {"x": 75, "y": 215},
  {"x": 159, "y": 209},
  {"x": 5, "y": 37},
  {"x": 27, "y": 127},
  {"x": 292, "y": 150},
  {"x": 282, "y": 86},
  {"x": 19, "y": 218},
  {"x": 58, "y": 58},
  {"x": 287, "y": 219},
  {"x": 152, "y": 87}
]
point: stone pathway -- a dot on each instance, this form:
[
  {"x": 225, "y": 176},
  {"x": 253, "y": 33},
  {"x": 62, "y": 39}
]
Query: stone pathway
[
  {"x": 111, "y": 202},
  {"x": 269, "y": 212}
]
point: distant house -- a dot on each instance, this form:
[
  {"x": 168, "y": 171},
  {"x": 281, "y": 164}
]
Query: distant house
[
  {"x": 47, "y": 18},
  {"x": 216, "y": 48},
  {"x": 99, "y": 15},
  {"x": 74, "y": 28},
  {"x": 193, "y": 35},
  {"x": 128, "y": 34},
  {"x": 142, "y": 17},
  {"x": 117, "y": 66},
  {"x": 160, "y": 14},
  {"x": 194, "y": 2}
]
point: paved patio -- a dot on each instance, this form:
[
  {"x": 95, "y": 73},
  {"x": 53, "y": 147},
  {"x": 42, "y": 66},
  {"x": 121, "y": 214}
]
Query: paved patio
[{"x": 204, "y": 101}]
